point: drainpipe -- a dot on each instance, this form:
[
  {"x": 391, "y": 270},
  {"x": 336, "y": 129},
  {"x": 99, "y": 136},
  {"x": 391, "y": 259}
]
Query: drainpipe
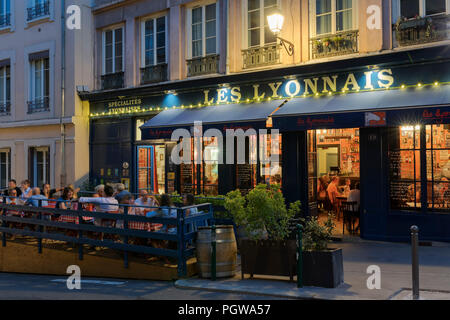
[{"x": 63, "y": 88}]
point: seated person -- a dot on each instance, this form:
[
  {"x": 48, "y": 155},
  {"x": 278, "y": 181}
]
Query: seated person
[{"x": 354, "y": 196}]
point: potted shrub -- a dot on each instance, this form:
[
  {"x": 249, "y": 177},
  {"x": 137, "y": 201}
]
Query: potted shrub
[
  {"x": 322, "y": 266},
  {"x": 264, "y": 218}
]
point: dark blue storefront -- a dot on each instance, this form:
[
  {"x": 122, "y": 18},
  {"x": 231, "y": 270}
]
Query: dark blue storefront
[{"x": 382, "y": 97}]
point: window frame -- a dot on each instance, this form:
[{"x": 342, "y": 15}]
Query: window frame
[
  {"x": 4, "y": 74},
  {"x": 262, "y": 18},
  {"x": 46, "y": 169},
  {"x": 8, "y": 165},
  {"x": 32, "y": 83},
  {"x": 104, "y": 31},
  {"x": 155, "y": 47},
  {"x": 397, "y": 11},
  {"x": 313, "y": 16},
  {"x": 189, "y": 9}
]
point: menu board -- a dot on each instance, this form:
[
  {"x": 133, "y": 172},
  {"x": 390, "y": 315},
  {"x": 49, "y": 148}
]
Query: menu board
[
  {"x": 244, "y": 174},
  {"x": 186, "y": 177},
  {"x": 142, "y": 179}
]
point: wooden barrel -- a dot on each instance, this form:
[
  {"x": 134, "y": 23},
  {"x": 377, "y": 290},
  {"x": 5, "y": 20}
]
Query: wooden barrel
[{"x": 226, "y": 251}]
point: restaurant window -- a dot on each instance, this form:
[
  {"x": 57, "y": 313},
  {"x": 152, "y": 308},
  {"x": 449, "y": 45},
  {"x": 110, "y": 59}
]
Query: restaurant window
[
  {"x": 5, "y": 89},
  {"x": 5, "y": 168},
  {"x": 210, "y": 181},
  {"x": 203, "y": 30},
  {"x": 259, "y": 33},
  {"x": 438, "y": 167},
  {"x": 39, "y": 160},
  {"x": 419, "y": 8},
  {"x": 270, "y": 145},
  {"x": 154, "y": 41},
  {"x": 149, "y": 177},
  {"x": 332, "y": 16},
  {"x": 405, "y": 166},
  {"x": 113, "y": 51}
]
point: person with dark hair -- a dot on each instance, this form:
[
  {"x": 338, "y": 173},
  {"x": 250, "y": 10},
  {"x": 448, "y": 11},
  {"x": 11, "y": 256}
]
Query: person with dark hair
[
  {"x": 354, "y": 196},
  {"x": 48, "y": 192},
  {"x": 12, "y": 184},
  {"x": 106, "y": 204},
  {"x": 189, "y": 200},
  {"x": 26, "y": 189},
  {"x": 167, "y": 210}
]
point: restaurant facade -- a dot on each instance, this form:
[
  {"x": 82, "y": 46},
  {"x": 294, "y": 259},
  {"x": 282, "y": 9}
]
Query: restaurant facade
[{"x": 382, "y": 121}]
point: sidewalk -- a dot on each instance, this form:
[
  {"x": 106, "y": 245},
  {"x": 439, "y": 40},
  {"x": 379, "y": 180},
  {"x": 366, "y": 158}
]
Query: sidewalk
[{"x": 394, "y": 259}]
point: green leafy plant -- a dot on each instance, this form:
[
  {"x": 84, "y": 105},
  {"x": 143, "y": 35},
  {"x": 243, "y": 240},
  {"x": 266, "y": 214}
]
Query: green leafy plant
[
  {"x": 316, "y": 236},
  {"x": 262, "y": 210}
]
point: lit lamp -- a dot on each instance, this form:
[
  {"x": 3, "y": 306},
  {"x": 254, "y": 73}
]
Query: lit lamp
[{"x": 276, "y": 20}]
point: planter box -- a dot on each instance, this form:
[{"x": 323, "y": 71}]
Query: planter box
[
  {"x": 278, "y": 258},
  {"x": 268, "y": 257},
  {"x": 323, "y": 268}
]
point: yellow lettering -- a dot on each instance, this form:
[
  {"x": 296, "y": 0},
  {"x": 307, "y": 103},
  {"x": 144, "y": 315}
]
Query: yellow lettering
[
  {"x": 382, "y": 76},
  {"x": 236, "y": 94},
  {"x": 207, "y": 101},
  {"x": 275, "y": 86},
  {"x": 311, "y": 85},
  {"x": 257, "y": 96},
  {"x": 327, "y": 82},
  {"x": 222, "y": 95},
  {"x": 351, "y": 80},
  {"x": 368, "y": 80},
  {"x": 288, "y": 91}
]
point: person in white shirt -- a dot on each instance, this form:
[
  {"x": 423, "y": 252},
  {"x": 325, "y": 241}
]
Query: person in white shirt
[
  {"x": 354, "y": 196},
  {"x": 106, "y": 204},
  {"x": 146, "y": 201}
]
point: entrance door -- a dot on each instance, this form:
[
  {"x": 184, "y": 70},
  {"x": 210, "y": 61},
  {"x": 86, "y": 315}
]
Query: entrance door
[
  {"x": 312, "y": 171},
  {"x": 147, "y": 177}
]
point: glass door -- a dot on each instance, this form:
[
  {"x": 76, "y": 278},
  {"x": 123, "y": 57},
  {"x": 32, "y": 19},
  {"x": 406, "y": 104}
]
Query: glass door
[{"x": 147, "y": 177}]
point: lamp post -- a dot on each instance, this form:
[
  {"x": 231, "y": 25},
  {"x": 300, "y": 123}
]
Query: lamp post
[{"x": 276, "y": 20}]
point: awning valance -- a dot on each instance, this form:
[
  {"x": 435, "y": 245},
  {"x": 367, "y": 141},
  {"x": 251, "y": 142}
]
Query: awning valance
[
  {"x": 374, "y": 108},
  {"x": 227, "y": 116}
]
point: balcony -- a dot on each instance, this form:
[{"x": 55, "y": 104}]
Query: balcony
[
  {"x": 338, "y": 44},
  {"x": 203, "y": 65},
  {"x": 5, "y": 108},
  {"x": 38, "y": 11},
  {"x": 5, "y": 20},
  {"x": 39, "y": 105},
  {"x": 113, "y": 81},
  {"x": 421, "y": 30},
  {"x": 261, "y": 56},
  {"x": 154, "y": 74}
]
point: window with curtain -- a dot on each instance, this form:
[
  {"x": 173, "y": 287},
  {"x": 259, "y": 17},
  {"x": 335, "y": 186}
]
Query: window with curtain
[
  {"x": 332, "y": 16},
  {"x": 204, "y": 30},
  {"x": 39, "y": 80},
  {"x": 259, "y": 33},
  {"x": 412, "y": 8},
  {"x": 113, "y": 51},
  {"x": 154, "y": 41},
  {"x": 5, "y": 89},
  {"x": 39, "y": 159}
]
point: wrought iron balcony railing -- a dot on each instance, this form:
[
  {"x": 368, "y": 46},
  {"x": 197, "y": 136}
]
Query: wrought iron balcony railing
[
  {"x": 153, "y": 74},
  {"x": 39, "y": 105},
  {"x": 39, "y": 10},
  {"x": 5, "y": 20},
  {"x": 261, "y": 56},
  {"x": 203, "y": 65},
  {"x": 113, "y": 81},
  {"x": 341, "y": 43},
  {"x": 422, "y": 30},
  {"x": 5, "y": 108}
]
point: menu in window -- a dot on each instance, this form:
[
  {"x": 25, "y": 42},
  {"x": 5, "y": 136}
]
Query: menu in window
[{"x": 244, "y": 176}]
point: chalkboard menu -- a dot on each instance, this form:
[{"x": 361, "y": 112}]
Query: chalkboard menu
[
  {"x": 186, "y": 177},
  {"x": 244, "y": 174}
]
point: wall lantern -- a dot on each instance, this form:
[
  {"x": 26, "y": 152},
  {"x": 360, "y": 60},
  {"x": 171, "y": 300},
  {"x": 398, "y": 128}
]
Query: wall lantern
[{"x": 276, "y": 20}]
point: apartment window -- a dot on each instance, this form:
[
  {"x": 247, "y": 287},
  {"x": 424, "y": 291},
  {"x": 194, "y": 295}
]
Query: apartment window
[
  {"x": 419, "y": 8},
  {"x": 5, "y": 13},
  {"x": 5, "y": 168},
  {"x": 332, "y": 16},
  {"x": 39, "y": 161},
  {"x": 113, "y": 51},
  {"x": 259, "y": 33},
  {"x": 5, "y": 87},
  {"x": 154, "y": 42},
  {"x": 203, "y": 30},
  {"x": 37, "y": 9},
  {"x": 39, "y": 82}
]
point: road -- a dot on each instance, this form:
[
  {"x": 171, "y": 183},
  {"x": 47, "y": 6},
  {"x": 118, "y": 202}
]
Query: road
[{"x": 37, "y": 287}]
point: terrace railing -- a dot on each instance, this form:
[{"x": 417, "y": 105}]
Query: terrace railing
[
  {"x": 422, "y": 30},
  {"x": 154, "y": 74},
  {"x": 39, "y": 10},
  {"x": 341, "y": 43},
  {"x": 40, "y": 217},
  {"x": 203, "y": 65},
  {"x": 261, "y": 56}
]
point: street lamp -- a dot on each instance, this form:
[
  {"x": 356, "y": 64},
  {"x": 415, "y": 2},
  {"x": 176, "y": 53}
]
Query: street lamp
[{"x": 276, "y": 20}]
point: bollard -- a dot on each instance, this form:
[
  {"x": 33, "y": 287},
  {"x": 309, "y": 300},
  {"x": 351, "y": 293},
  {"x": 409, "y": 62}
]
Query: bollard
[
  {"x": 415, "y": 261},
  {"x": 213, "y": 253},
  {"x": 300, "y": 257}
]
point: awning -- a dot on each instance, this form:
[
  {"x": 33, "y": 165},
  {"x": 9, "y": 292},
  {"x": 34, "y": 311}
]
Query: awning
[
  {"x": 227, "y": 116},
  {"x": 374, "y": 108}
]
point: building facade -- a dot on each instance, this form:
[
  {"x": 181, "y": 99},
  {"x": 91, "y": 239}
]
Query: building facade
[
  {"x": 357, "y": 89},
  {"x": 44, "y": 126}
]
